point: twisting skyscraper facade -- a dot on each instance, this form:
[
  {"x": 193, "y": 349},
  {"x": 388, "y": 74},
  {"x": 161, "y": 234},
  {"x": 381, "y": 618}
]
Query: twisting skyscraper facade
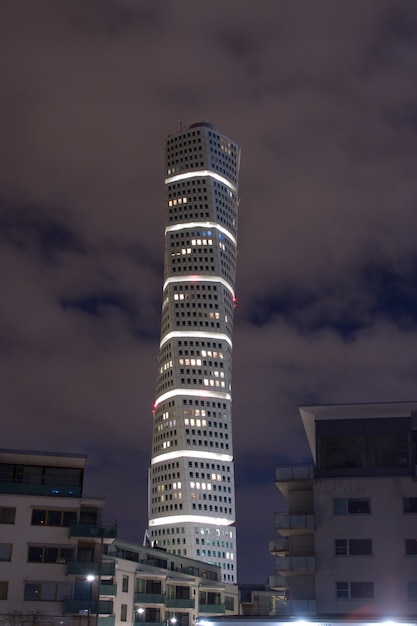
[{"x": 191, "y": 480}]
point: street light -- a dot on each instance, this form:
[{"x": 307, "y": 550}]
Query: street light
[{"x": 90, "y": 579}]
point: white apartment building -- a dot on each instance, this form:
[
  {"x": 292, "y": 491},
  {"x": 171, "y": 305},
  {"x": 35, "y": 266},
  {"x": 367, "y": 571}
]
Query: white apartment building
[
  {"x": 60, "y": 565},
  {"x": 52, "y": 541},
  {"x": 347, "y": 546},
  {"x": 156, "y": 588},
  {"x": 191, "y": 478}
]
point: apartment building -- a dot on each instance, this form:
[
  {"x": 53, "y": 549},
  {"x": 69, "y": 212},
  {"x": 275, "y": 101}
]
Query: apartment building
[
  {"x": 52, "y": 542},
  {"x": 347, "y": 545}
]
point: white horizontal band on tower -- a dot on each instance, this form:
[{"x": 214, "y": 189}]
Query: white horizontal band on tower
[
  {"x": 196, "y": 519},
  {"x": 196, "y": 393},
  {"x": 192, "y": 278},
  {"x": 197, "y": 174},
  {"x": 192, "y": 454},
  {"x": 188, "y": 225},
  {"x": 195, "y": 334}
]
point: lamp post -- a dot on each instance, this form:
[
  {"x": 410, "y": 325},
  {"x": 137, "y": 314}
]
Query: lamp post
[{"x": 90, "y": 579}]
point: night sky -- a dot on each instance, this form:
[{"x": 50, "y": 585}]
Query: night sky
[{"x": 321, "y": 96}]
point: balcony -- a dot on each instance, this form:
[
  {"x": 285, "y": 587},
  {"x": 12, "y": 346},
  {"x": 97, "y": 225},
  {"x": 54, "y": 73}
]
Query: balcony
[
  {"x": 179, "y": 603},
  {"x": 295, "y": 564},
  {"x": 300, "y": 524},
  {"x": 95, "y": 607},
  {"x": 149, "y": 598},
  {"x": 108, "y": 620},
  {"x": 294, "y": 478},
  {"x": 108, "y": 589},
  {"x": 278, "y": 545},
  {"x": 212, "y": 609},
  {"x": 276, "y": 581},
  {"x": 84, "y": 568},
  {"x": 102, "y": 532}
]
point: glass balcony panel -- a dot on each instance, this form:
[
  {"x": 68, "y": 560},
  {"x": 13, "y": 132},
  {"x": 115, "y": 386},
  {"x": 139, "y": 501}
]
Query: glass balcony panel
[{"x": 149, "y": 598}]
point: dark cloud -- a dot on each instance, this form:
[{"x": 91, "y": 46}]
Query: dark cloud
[{"x": 322, "y": 99}]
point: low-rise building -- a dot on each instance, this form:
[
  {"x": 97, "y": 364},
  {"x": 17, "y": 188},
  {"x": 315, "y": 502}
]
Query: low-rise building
[{"x": 61, "y": 565}]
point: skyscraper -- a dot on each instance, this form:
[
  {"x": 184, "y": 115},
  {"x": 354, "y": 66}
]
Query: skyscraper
[{"x": 191, "y": 478}]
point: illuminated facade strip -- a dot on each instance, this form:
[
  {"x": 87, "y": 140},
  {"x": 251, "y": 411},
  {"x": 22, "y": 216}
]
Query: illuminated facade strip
[
  {"x": 195, "y": 334},
  {"x": 188, "y": 225},
  {"x": 192, "y": 278},
  {"x": 195, "y": 519},
  {"x": 192, "y": 454},
  {"x": 195, "y": 393},
  {"x": 198, "y": 174}
]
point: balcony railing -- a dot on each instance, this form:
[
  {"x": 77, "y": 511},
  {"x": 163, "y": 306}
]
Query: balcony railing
[
  {"x": 278, "y": 545},
  {"x": 108, "y": 620},
  {"x": 288, "y": 524},
  {"x": 296, "y": 608},
  {"x": 212, "y": 609},
  {"x": 179, "y": 603},
  {"x": 84, "y": 568},
  {"x": 276, "y": 581},
  {"x": 295, "y": 564},
  {"x": 94, "y": 607},
  {"x": 294, "y": 472},
  {"x": 149, "y": 598},
  {"x": 94, "y": 531},
  {"x": 108, "y": 590}
]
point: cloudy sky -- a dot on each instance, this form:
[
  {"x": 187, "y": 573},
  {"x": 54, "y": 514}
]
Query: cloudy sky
[{"x": 322, "y": 98}]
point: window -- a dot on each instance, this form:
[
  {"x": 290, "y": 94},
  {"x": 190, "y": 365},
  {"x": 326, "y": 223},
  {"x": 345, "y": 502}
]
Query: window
[
  {"x": 409, "y": 505},
  {"x": 47, "y": 591},
  {"x": 351, "y": 506},
  {"x": 7, "y": 515},
  {"x": 353, "y": 547},
  {"x": 53, "y": 517},
  {"x": 50, "y": 554},
  {"x": 125, "y": 583},
  {"x": 411, "y": 590},
  {"x": 5, "y": 551},
  {"x": 354, "y": 590},
  {"x": 411, "y": 547},
  {"x": 229, "y": 603},
  {"x": 4, "y": 587},
  {"x": 123, "y": 613}
]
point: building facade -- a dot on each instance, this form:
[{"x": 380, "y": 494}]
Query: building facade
[
  {"x": 156, "y": 588},
  {"x": 191, "y": 477},
  {"x": 60, "y": 565},
  {"x": 52, "y": 568},
  {"x": 347, "y": 545}
]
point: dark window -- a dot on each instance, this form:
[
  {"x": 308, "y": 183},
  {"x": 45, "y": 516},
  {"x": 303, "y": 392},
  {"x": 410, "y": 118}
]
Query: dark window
[
  {"x": 354, "y": 590},
  {"x": 411, "y": 546},
  {"x": 44, "y": 517},
  {"x": 123, "y": 613},
  {"x": 5, "y": 551},
  {"x": 4, "y": 587},
  {"x": 351, "y": 506},
  {"x": 125, "y": 583},
  {"x": 410, "y": 505},
  {"x": 7, "y": 515},
  {"x": 411, "y": 590},
  {"x": 353, "y": 547},
  {"x": 361, "y": 590},
  {"x": 46, "y": 554}
]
